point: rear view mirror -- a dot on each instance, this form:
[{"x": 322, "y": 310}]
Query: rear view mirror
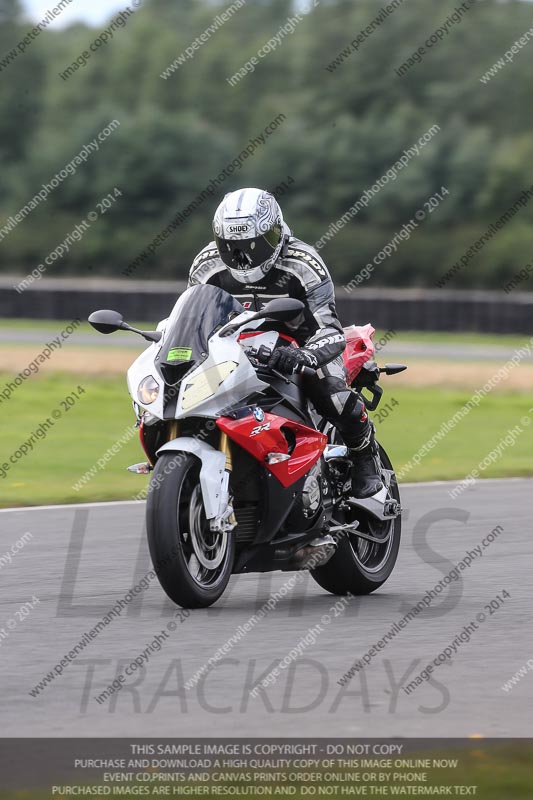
[
  {"x": 282, "y": 309},
  {"x": 106, "y": 321}
]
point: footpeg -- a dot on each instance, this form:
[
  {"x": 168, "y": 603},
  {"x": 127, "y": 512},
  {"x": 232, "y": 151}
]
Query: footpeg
[
  {"x": 392, "y": 508},
  {"x": 379, "y": 505}
]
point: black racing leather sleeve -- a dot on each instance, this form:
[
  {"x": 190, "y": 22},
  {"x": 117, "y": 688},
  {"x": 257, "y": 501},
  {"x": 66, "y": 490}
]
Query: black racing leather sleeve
[{"x": 328, "y": 341}]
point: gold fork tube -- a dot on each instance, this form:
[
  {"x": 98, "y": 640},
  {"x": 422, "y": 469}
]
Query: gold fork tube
[
  {"x": 225, "y": 448},
  {"x": 173, "y": 430}
]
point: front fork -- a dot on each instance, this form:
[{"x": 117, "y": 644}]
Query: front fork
[
  {"x": 173, "y": 429},
  {"x": 226, "y": 521},
  {"x": 225, "y": 447}
]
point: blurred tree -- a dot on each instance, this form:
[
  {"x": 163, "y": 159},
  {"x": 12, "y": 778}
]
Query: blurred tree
[
  {"x": 21, "y": 81},
  {"x": 10, "y": 11},
  {"x": 348, "y": 117}
]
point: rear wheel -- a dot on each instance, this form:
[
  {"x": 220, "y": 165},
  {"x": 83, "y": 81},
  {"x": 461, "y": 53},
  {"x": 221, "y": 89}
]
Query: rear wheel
[
  {"x": 360, "y": 566},
  {"x": 193, "y": 564}
]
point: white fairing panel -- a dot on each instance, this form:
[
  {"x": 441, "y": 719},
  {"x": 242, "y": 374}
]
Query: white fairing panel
[
  {"x": 224, "y": 379},
  {"x": 140, "y": 369},
  {"x": 144, "y": 365},
  {"x": 211, "y": 471}
]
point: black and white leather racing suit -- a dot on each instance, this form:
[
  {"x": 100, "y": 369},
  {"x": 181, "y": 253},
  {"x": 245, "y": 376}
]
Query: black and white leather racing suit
[{"x": 299, "y": 272}]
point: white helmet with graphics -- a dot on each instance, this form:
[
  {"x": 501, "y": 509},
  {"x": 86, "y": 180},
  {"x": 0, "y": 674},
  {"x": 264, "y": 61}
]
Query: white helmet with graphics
[{"x": 249, "y": 233}]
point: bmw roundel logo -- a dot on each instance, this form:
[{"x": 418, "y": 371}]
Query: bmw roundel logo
[{"x": 259, "y": 414}]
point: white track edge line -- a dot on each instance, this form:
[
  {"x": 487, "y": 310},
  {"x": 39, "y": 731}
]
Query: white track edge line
[{"x": 141, "y": 502}]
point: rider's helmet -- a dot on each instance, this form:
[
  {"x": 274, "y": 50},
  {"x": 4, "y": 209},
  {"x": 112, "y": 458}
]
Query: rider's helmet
[{"x": 249, "y": 233}]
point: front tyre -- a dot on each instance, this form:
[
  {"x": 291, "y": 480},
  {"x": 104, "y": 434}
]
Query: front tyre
[
  {"x": 360, "y": 566},
  {"x": 193, "y": 564}
]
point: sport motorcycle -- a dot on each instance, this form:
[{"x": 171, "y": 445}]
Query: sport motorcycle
[{"x": 245, "y": 475}]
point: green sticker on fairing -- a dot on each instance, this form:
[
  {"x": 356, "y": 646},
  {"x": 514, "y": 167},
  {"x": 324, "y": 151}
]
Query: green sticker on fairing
[{"x": 179, "y": 354}]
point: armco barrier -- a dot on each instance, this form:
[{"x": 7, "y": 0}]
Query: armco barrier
[{"x": 399, "y": 309}]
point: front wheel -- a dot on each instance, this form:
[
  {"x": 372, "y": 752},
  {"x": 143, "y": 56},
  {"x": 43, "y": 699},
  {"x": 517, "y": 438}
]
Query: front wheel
[
  {"x": 192, "y": 563},
  {"x": 360, "y": 566}
]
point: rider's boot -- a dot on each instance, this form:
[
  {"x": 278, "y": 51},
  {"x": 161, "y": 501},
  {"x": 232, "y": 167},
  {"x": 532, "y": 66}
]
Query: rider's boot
[{"x": 366, "y": 480}]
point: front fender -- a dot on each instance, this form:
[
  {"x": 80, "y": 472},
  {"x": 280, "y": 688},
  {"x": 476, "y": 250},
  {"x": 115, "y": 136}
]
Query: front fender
[{"x": 212, "y": 471}]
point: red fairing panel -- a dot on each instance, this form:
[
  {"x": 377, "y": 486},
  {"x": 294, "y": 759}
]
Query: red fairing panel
[
  {"x": 359, "y": 348},
  {"x": 261, "y": 438}
]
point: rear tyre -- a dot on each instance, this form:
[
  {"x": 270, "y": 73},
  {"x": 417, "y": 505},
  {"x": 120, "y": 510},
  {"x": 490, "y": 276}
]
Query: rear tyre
[
  {"x": 360, "y": 566},
  {"x": 193, "y": 564}
]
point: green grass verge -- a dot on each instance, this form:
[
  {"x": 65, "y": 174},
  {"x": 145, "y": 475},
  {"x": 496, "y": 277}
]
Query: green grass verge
[
  {"x": 84, "y": 433},
  {"x": 438, "y": 337},
  {"x": 73, "y": 445},
  {"x": 420, "y": 413}
]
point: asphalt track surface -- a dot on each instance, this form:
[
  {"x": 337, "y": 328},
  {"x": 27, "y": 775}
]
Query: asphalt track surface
[
  {"x": 433, "y": 350},
  {"x": 82, "y": 559}
]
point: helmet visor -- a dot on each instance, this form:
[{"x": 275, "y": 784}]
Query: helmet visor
[{"x": 246, "y": 254}]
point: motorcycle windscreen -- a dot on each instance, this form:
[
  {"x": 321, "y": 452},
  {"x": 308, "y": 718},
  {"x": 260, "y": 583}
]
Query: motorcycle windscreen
[{"x": 198, "y": 313}]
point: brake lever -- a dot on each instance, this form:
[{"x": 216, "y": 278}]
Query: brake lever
[
  {"x": 279, "y": 374},
  {"x": 275, "y": 372}
]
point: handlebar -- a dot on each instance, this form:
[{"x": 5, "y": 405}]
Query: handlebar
[{"x": 303, "y": 370}]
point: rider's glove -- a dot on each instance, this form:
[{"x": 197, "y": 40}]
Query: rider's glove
[{"x": 288, "y": 359}]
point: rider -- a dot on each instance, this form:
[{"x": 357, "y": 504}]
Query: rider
[{"x": 255, "y": 258}]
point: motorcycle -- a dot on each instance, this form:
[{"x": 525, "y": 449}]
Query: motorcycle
[{"x": 245, "y": 476}]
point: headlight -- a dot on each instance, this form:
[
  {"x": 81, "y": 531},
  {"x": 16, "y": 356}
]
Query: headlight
[{"x": 148, "y": 390}]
